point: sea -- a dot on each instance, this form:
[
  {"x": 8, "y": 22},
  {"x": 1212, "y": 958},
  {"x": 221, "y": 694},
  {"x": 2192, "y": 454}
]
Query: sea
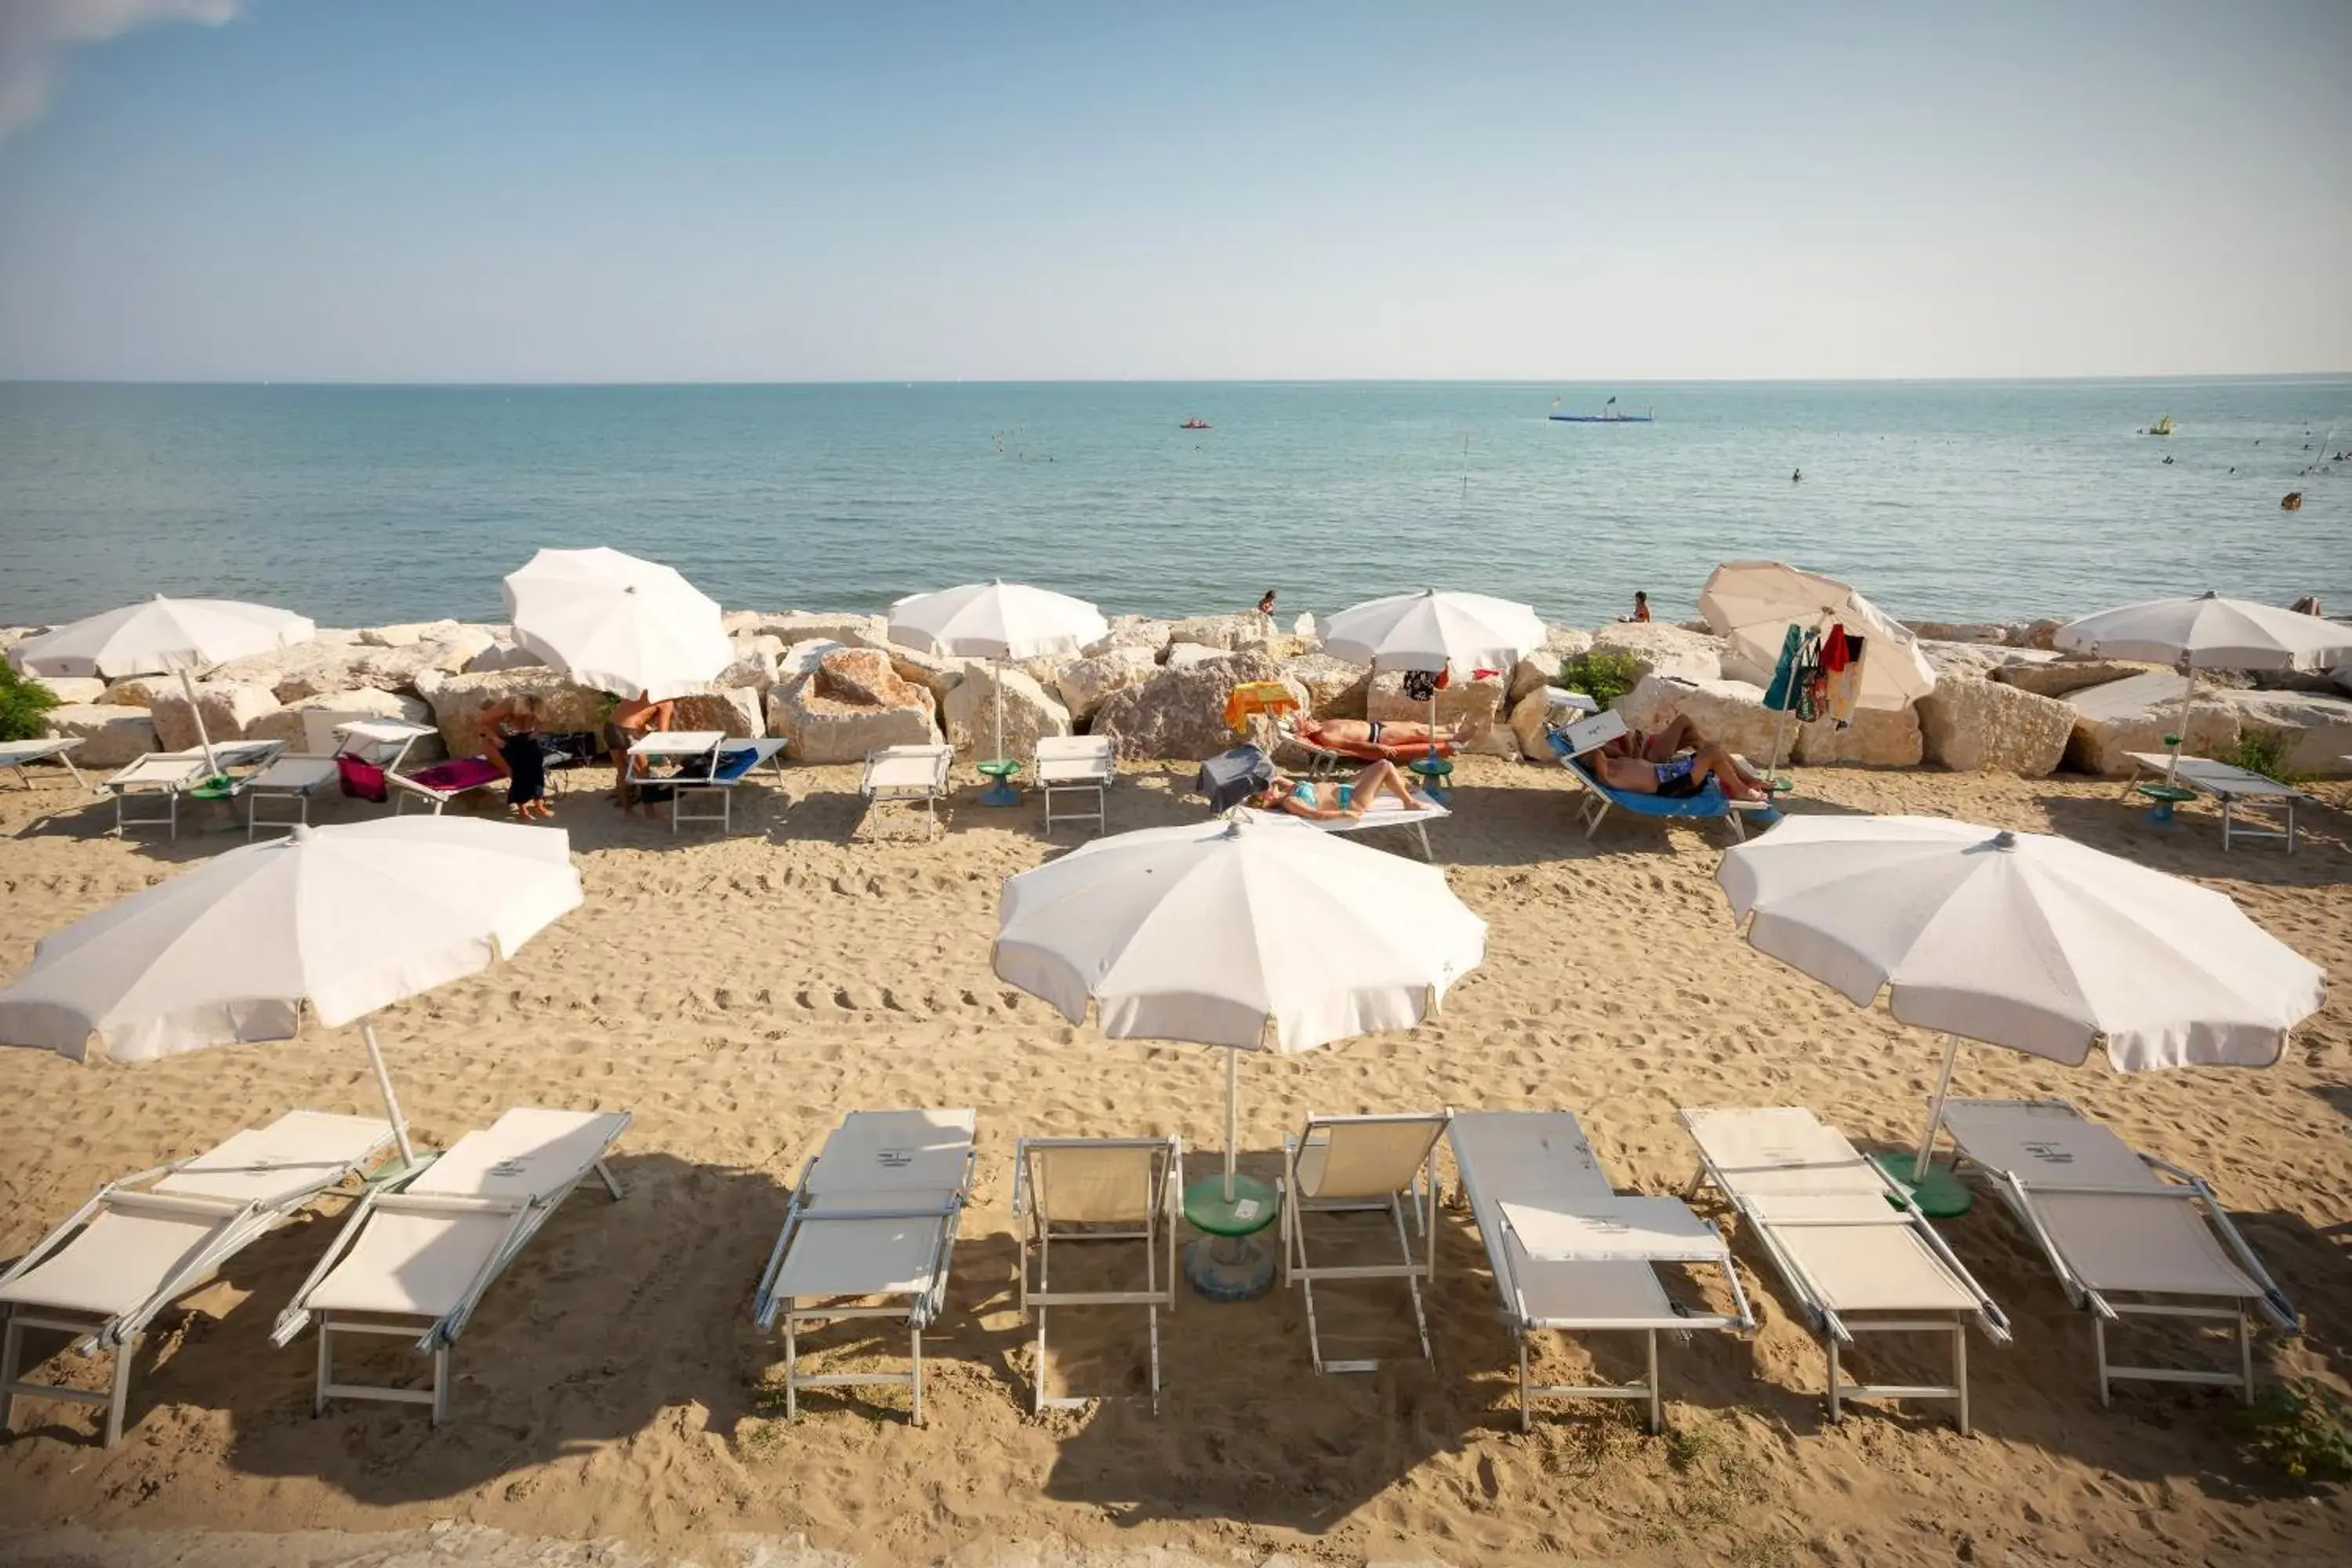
[{"x": 1958, "y": 501}]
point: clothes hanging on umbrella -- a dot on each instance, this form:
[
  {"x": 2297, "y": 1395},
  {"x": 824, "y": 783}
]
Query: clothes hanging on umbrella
[{"x": 1842, "y": 670}]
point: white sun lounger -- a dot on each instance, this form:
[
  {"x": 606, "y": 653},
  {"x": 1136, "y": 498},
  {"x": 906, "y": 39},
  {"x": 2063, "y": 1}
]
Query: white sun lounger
[
  {"x": 1569, "y": 1253},
  {"x": 168, "y": 776},
  {"x": 291, "y": 779},
  {"x": 1077, "y": 765},
  {"x": 909, "y": 779},
  {"x": 2126, "y": 1232},
  {"x": 385, "y": 742},
  {"x": 416, "y": 1256},
  {"x": 873, "y": 1221},
  {"x": 17, "y": 755},
  {"x": 419, "y": 786},
  {"x": 1362, "y": 1164},
  {"x": 725, "y": 764},
  {"x": 147, "y": 1240},
  {"x": 1850, "y": 1246},
  {"x": 2232, "y": 786},
  {"x": 1097, "y": 1189},
  {"x": 1385, "y": 812}
]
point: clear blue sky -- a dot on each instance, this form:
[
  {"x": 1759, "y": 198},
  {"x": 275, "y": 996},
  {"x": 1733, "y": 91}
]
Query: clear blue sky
[{"x": 588, "y": 190}]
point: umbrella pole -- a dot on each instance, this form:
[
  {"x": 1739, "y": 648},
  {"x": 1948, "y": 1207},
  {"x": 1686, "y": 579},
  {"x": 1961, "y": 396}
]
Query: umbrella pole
[
  {"x": 1772, "y": 763},
  {"x": 1000, "y": 711},
  {"x": 1232, "y": 1115},
  {"x": 195, "y": 711},
  {"x": 2181, "y": 728},
  {"x": 1936, "y": 1109},
  {"x": 391, "y": 1104}
]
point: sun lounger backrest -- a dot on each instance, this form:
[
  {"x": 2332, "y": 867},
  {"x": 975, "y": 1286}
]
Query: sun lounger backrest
[
  {"x": 1591, "y": 735},
  {"x": 1074, "y": 747},
  {"x": 294, "y": 1153},
  {"x": 2048, "y": 1146},
  {"x": 1781, "y": 1150},
  {"x": 1368, "y": 1158},
  {"x": 888, "y": 1152},
  {"x": 1526, "y": 1156},
  {"x": 526, "y": 1153},
  {"x": 1096, "y": 1185}
]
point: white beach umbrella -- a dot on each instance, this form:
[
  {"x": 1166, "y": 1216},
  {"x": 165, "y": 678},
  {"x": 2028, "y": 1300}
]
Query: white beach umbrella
[
  {"x": 2207, "y": 632},
  {"x": 1271, "y": 936},
  {"x": 1000, "y": 621},
  {"x": 1435, "y": 629},
  {"x": 344, "y": 919},
  {"x": 164, "y": 637},
  {"x": 616, "y": 622},
  {"x": 2023, "y": 940}
]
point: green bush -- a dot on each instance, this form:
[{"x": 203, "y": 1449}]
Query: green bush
[
  {"x": 23, "y": 701},
  {"x": 1604, "y": 677},
  {"x": 2265, "y": 751},
  {"x": 2301, "y": 1430}
]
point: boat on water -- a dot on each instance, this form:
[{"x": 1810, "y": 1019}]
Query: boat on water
[
  {"x": 1610, "y": 415},
  {"x": 1196, "y": 425},
  {"x": 2162, "y": 427}
]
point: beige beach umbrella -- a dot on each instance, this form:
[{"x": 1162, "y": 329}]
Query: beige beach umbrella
[
  {"x": 2023, "y": 940},
  {"x": 343, "y": 919},
  {"x": 1433, "y": 629},
  {"x": 616, "y": 622}
]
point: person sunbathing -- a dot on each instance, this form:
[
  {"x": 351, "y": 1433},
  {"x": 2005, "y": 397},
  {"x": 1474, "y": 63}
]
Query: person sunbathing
[
  {"x": 1679, "y": 736},
  {"x": 1390, "y": 736},
  {"x": 1680, "y": 776},
  {"x": 1322, "y": 802}
]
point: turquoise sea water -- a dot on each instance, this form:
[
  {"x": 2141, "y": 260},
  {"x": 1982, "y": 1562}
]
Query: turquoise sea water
[{"x": 359, "y": 505}]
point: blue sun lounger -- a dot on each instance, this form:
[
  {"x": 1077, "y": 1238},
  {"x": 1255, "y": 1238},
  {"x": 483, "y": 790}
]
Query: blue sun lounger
[{"x": 1573, "y": 744}]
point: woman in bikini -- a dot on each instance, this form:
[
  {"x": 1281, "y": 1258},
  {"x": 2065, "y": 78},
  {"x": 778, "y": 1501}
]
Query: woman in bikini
[{"x": 1322, "y": 802}]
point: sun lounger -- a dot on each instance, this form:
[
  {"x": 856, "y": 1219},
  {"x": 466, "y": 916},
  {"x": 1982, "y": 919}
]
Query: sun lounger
[
  {"x": 292, "y": 779},
  {"x": 18, "y": 754},
  {"x": 1386, "y": 812},
  {"x": 1324, "y": 757},
  {"x": 870, "y": 1233},
  {"x": 442, "y": 782},
  {"x": 711, "y": 770},
  {"x": 1362, "y": 1164},
  {"x": 385, "y": 742},
  {"x": 147, "y": 1240},
  {"x": 1097, "y": 1189},
  {"x": 2126, "y": 1232},
  {"x": 2233, "y": 787},
  {"x": 168, "y": 776},
  {"x": 1850, "y": 1245},
  {"x": 1569, "y": 1253},
  {"x": 908, "y": 779},
  {"x": 416, "y": 1256},
  {"x": 1573, "y": 744},
  {"x": 1076, "y": 766}
]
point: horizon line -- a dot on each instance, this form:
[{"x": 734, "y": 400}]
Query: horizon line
[{"x": 2343, "y": 374}]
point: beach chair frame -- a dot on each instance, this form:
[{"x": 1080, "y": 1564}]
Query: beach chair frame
[
  {"x": 120, "y": 1335},
  {"x": 918, "y": 1310},
  {"x": 433, "y": 1336},
  {"x": 766, "y": 750},
  {"x": 910, "y": 799},
  {"x": 18, "y": 755},
  {"x": 1596, "y": 799},
  {"x": 1157, "y": 1232},
  {"x": 1077, "y": 765},
  {"x": 2111, "y": 1306},
  {"x": 2233, "y": 787},
  {"x": 168, "y": 776},
  {"x": 404, "y": 787},
  {"x": 1836, "y": 1330},
  {"x": 1421, "y": 1187},
  {"x": 1523, "y": 1320},
  {"x": 1415, "y": 823},
  {"x": 298, "y": 787}
]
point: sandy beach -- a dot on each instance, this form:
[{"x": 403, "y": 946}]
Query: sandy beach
[{"x": 738, "y": 996}]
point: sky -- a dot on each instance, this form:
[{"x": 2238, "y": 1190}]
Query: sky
[{"x": 610, "y": 190}]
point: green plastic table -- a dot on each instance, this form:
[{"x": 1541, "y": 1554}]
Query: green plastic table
[
  {"x": 1434, "y": 771},
  {"x": 1001, "y": 790},
  {"x": 1225, "y": 1264}
]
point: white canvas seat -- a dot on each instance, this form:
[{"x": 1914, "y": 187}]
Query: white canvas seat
[
  {"x": 145, "y": 1241},
  {"x": 1570, "y": 1252},
  {"x": 870, "y": 1233},
  {"x": 20, "y": 754},
  {"x": 415, "y": 1258},
  {"x": 1361, "y": 1164},
  {"x": 385, "y": 742},
  {"x": 1850, "y": 1246},
  {"x": 2126, "y": 1232},
  {"x": 1386, "y": 812},
  {"x": 441, "y": 784},
  {"x": 2232, "y": 786},
  {"x": 165, "y": 776},
  {"x": 1076, "y": 766},
  {"x": 713, "y": 766},
  {"x": 1094, "y": 1190},
  {"x": 908, "y": 780},
  {"x": 290, "y": 780}
]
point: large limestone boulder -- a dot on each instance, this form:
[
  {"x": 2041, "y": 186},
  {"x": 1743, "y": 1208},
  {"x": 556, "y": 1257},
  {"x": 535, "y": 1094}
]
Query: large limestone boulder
[
  {"x": 406, "y": 635},
  {"x": 2319, "y": 725},
  {"x": 1541, "y": 668},
  {"x": 1180, "y": 714},
  {"x": 756, "y": 663},
  {"x": 1729, "y": 714},
  {"x": 2135, "y": 713},
  {"x": 1185, "y": 655},
  {"x": 1228, "y": 633},
  {"x": 1877, "y": 738},
  {"x": 1982, "y": 632},
  {"x": 934, "y": 673},
  {"x": 110, "y": 736},
  {"x": 736, "y": 711},
  {"x": 1532, "y": 717},
  {"x": 1084, "y": 684},
  {"x": 1047, "y": 669},
  {"x": 807, "y": 626},
  {"x": 1030, "y": 713},
  {"x": 852, "y": 703},
  {"x": 139, "y": 691},
  {"x": 503, "y": 653},
  {"x": 227, "y": 707},
  {"x": 1975, "y": 660},
  {"x": 2058, "y": 676},
  {"x": 79, "y": 689},
  {"x": 459, "y": 702},
  {"x": 1475, "y": 702},
  {"x": 1661, "y": 650},
  {"x": 1335, "y": 688},
  {"x": 1974, "y": 725},
  {"x": 1147, "y": 632},
  {"x": 288, "y": 724}
]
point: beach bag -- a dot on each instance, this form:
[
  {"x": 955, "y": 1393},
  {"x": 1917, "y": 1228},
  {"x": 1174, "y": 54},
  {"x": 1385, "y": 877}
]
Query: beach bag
[{"x": 361, "y": 780}]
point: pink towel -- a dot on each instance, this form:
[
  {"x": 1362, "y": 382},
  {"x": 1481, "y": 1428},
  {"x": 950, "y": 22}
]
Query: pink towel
[{"x": 460, "y": 772}]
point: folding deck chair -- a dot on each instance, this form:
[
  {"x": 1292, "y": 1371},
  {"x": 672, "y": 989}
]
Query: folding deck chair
[
  {"x": 416, "y": 1255},
  {"x": 168, "y": 776},
  {"x": 731, "y": 764},
  {"x": 1362, "y": 1164},
  {"x": 873, "y": 1220},
  {"x": 1385, "y": 812},
  {"x": 443, "y": 783},
  {"x": 1849, "y": 1245},
  {"x": 1572, "y": 745},
  {"x": 911, "y": 779},
  {"x": 19, "y": 754},
  {"x": 2234, "y": 788},
  {"x": 1097, "y": 1189},
  {"x": 2123, "y": 1230},
  {"x": 147, "y": 1240},
  {"x": 1569, "y": 1253},
  {"x": 1078, "y": 765}
]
